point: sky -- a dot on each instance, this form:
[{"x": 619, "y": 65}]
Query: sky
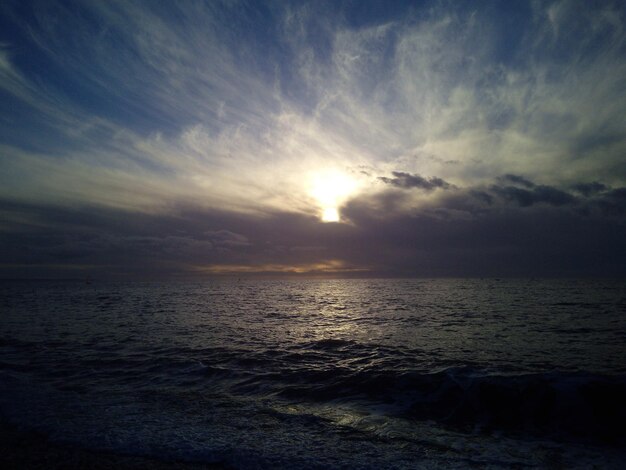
[{"x": 144, "y": 139}]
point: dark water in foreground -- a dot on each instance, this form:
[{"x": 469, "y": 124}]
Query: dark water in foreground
[{"x": 323, "y": 374}]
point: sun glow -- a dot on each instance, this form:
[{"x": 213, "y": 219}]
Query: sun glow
[
  {"x": 330, "y": 189},
  {"x": 330, "y": 214}
]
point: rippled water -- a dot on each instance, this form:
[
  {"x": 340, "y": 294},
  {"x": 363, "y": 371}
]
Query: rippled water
[{"x": 323, "y": 374}]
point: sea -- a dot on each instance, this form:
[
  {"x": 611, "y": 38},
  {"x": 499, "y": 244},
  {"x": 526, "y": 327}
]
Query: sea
[{"x": 323, "y": 374}]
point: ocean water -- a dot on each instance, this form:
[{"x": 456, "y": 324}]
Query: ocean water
[{"x": 323, "y": 373}]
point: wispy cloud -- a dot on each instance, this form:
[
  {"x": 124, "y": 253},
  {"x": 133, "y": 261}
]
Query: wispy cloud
[
  {"x": 182, "y": 90},
  {"x": 408, "y": 181}
]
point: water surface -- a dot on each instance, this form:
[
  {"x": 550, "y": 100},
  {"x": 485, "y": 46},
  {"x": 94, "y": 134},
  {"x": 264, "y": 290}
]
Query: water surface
[{"x": 323, "y": 374}]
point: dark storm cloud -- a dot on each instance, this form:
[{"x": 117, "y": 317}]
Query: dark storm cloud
[
  {"x": 525, "y": 192},
  {"x": 536, "y": 195},
  {"x": 408, "y": 181},
  {"x": 482, "y": 196},
  {"x": 516, "y": 179},
  {"x": 55, "y": 241},
  {"x": 543, "y": 231},
  {"x": 613, "y": 202},
  {"x": 474, "y": 231},
  {"x": 227, "y": 238},
  {"x": 537, "y": 243},
  {"x": 589, "y": 189}
]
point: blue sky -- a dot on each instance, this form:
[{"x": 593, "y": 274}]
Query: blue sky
[{"x": 415, "y": 122}]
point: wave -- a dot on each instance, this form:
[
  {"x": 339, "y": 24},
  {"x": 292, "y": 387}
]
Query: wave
[
  {"x": 558, "y": 405},
  {"x": 410, "y": 383}
]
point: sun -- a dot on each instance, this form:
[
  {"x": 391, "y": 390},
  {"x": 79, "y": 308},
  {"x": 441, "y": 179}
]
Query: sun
[
  {"x": 330, "y": 214},
  {"x": 330, "y": 189}
]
